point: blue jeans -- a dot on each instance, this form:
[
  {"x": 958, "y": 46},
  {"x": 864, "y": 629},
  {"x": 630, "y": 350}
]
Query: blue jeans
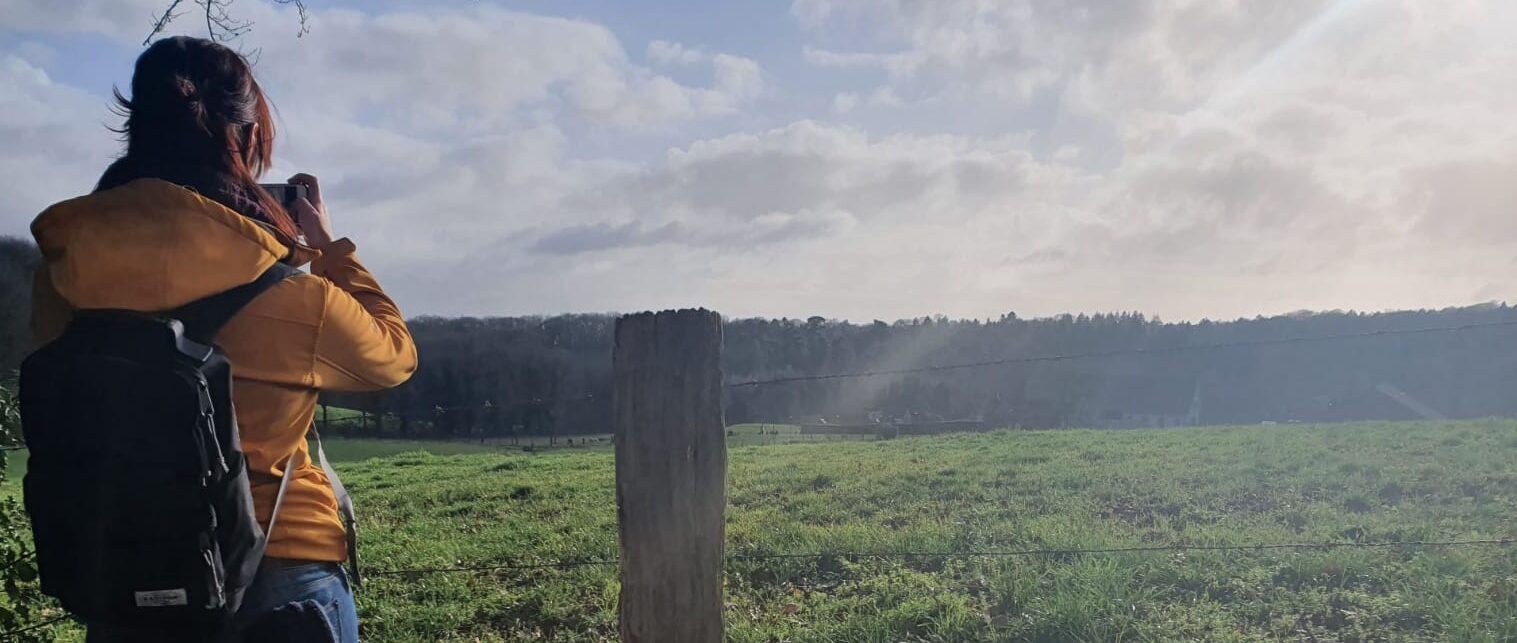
[
  {"x": 278, "y": 583},
  {"x": 281, "y": 582}
]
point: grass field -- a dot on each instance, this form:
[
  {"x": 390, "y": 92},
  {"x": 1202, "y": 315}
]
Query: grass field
[
  {"x": 1008, "y": 490},
  {"x": 337, "y": 449},
  {"x": 357, "y": 450}
]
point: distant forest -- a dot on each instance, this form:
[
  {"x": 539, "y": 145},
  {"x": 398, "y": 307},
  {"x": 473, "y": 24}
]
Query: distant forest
[{"x": 552, "y": 375}]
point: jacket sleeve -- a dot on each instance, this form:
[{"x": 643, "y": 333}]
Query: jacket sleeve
[
  {"x": 363, "y": 343},
  {"x": 50, "y": 313}
]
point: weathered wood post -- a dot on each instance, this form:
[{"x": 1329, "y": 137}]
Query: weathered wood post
[{"x": 671, "y": 470}]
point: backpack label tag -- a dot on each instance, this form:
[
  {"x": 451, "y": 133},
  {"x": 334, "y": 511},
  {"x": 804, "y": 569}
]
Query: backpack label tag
[{"x": 162, "y": 598}]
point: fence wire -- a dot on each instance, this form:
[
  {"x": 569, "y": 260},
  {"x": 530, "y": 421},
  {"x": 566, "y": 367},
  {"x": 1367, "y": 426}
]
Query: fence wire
[
  {"x": 1009, "y": 553},
  {"x": 33, "y": 628}
]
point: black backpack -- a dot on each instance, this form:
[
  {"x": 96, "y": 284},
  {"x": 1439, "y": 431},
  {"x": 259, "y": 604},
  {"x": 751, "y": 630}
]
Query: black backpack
[{"x": 136, "y": 484}]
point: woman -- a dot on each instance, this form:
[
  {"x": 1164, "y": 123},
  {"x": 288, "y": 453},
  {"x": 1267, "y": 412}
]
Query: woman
[{"x": 180, "y": 217}]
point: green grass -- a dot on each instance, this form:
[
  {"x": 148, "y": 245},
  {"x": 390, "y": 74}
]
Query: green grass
[
  {"x": 345, "y": 450},
  {"x": 337, "y": 413},
  {"x": 1007, "y": 490},
  {"x": 338, "y": 450}
]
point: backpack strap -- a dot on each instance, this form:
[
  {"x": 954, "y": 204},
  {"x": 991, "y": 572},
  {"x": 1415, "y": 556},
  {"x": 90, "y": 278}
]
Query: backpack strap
[
  {"x": 344, "y": 506},
  {"x": 284, "y": 485},
  {"x": 204, "y": 318},
  {"x": 344, "y": 502}
]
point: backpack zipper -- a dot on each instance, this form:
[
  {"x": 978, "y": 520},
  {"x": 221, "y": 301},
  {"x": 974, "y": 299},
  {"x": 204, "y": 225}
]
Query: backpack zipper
[{"x": 217, "y": 596}]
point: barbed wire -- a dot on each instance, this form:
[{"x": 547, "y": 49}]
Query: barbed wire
[
  {"x": 525, "y": 401},
  {"x": 424, "y": 571},
  {"x": 480, "y": 406},
  {"x": 12, "y": 562},
  {"x": 1061, "y": 357},
  {"x": 1013, "y": 553},
  {"x": 33, "y": 628}
]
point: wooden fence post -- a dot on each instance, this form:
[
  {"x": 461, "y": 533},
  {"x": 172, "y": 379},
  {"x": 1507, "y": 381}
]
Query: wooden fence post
[{"x": 671, "y": 471}]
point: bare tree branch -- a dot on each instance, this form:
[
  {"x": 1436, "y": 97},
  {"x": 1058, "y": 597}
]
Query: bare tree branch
[
  {"x": 220, "y": 24},
  {"x": 163, "y": 21},
  {"x": 300, "y": 10}
]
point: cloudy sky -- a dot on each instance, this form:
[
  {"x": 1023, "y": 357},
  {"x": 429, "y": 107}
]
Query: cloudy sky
[{"x": 855, "y": 158}]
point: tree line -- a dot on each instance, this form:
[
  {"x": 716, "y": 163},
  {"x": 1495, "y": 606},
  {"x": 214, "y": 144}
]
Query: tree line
[{"x": 551, "y": 375}]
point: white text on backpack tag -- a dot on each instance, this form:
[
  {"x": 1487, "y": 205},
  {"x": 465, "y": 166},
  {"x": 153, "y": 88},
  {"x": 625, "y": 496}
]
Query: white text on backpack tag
[{"x": 162, "y": 598}]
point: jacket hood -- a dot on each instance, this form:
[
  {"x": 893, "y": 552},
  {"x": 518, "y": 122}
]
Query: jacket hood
[{"x": 151, "y": 245}]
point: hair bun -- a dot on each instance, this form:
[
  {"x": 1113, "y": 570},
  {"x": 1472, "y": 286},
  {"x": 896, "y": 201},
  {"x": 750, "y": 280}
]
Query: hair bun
[{"x": 187, "y": 89}]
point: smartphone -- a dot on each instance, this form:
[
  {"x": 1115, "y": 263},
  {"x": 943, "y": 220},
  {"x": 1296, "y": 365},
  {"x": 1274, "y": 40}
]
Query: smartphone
[{"x": 285, "y": 193}]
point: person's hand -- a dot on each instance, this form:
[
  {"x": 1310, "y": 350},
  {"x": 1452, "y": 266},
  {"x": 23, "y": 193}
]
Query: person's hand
[{"x": 311, "y": 213}]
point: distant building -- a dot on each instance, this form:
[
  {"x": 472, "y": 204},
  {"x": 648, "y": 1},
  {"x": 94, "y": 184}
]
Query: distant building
[
  {"x": 940, "y": 428},
  {"x": 1144, "y": 403},
  {"x": 876, "y": 423}
]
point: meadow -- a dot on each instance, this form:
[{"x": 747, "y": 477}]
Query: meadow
[{"x": 1366, "y": 483}]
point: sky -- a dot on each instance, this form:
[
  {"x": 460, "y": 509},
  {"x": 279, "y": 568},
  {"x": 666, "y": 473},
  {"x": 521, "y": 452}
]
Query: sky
[{"x": 857, "y": 159}]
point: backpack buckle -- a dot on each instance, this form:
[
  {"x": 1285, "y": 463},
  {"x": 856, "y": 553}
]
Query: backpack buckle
[{"x": 208, "y": 422}]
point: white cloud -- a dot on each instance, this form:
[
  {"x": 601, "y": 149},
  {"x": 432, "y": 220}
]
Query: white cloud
[
  {"x": 448, "y": 71},
  {"x": 36, "y": 54},
  {"x": 844, "y": 102},
  {"x": 737, "y": 77},
  {"x": 459, "y": 109},
  {"x": 784, "y": 217},
  {"x": 1185, "y": 157},
  {"x": 51, "y": 139},
  {"x": 481, "y": 68},
  {"x": 664, "y": 52},
  {"x": 768, "y": 229},
  {"x": 120, "y": 20},
  {"x": 1154, "y": 51},
  {"x": 1258, "y": 156},
  {"x": 901, "y": 65},
  {"x": 885, "y": 96}
]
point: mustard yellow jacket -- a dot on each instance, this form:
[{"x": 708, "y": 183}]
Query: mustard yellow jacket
[{"x": 153, "y": 246}]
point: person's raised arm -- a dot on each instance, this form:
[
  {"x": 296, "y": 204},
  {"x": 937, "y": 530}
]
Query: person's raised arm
[{"x": 363, "y": 343}]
